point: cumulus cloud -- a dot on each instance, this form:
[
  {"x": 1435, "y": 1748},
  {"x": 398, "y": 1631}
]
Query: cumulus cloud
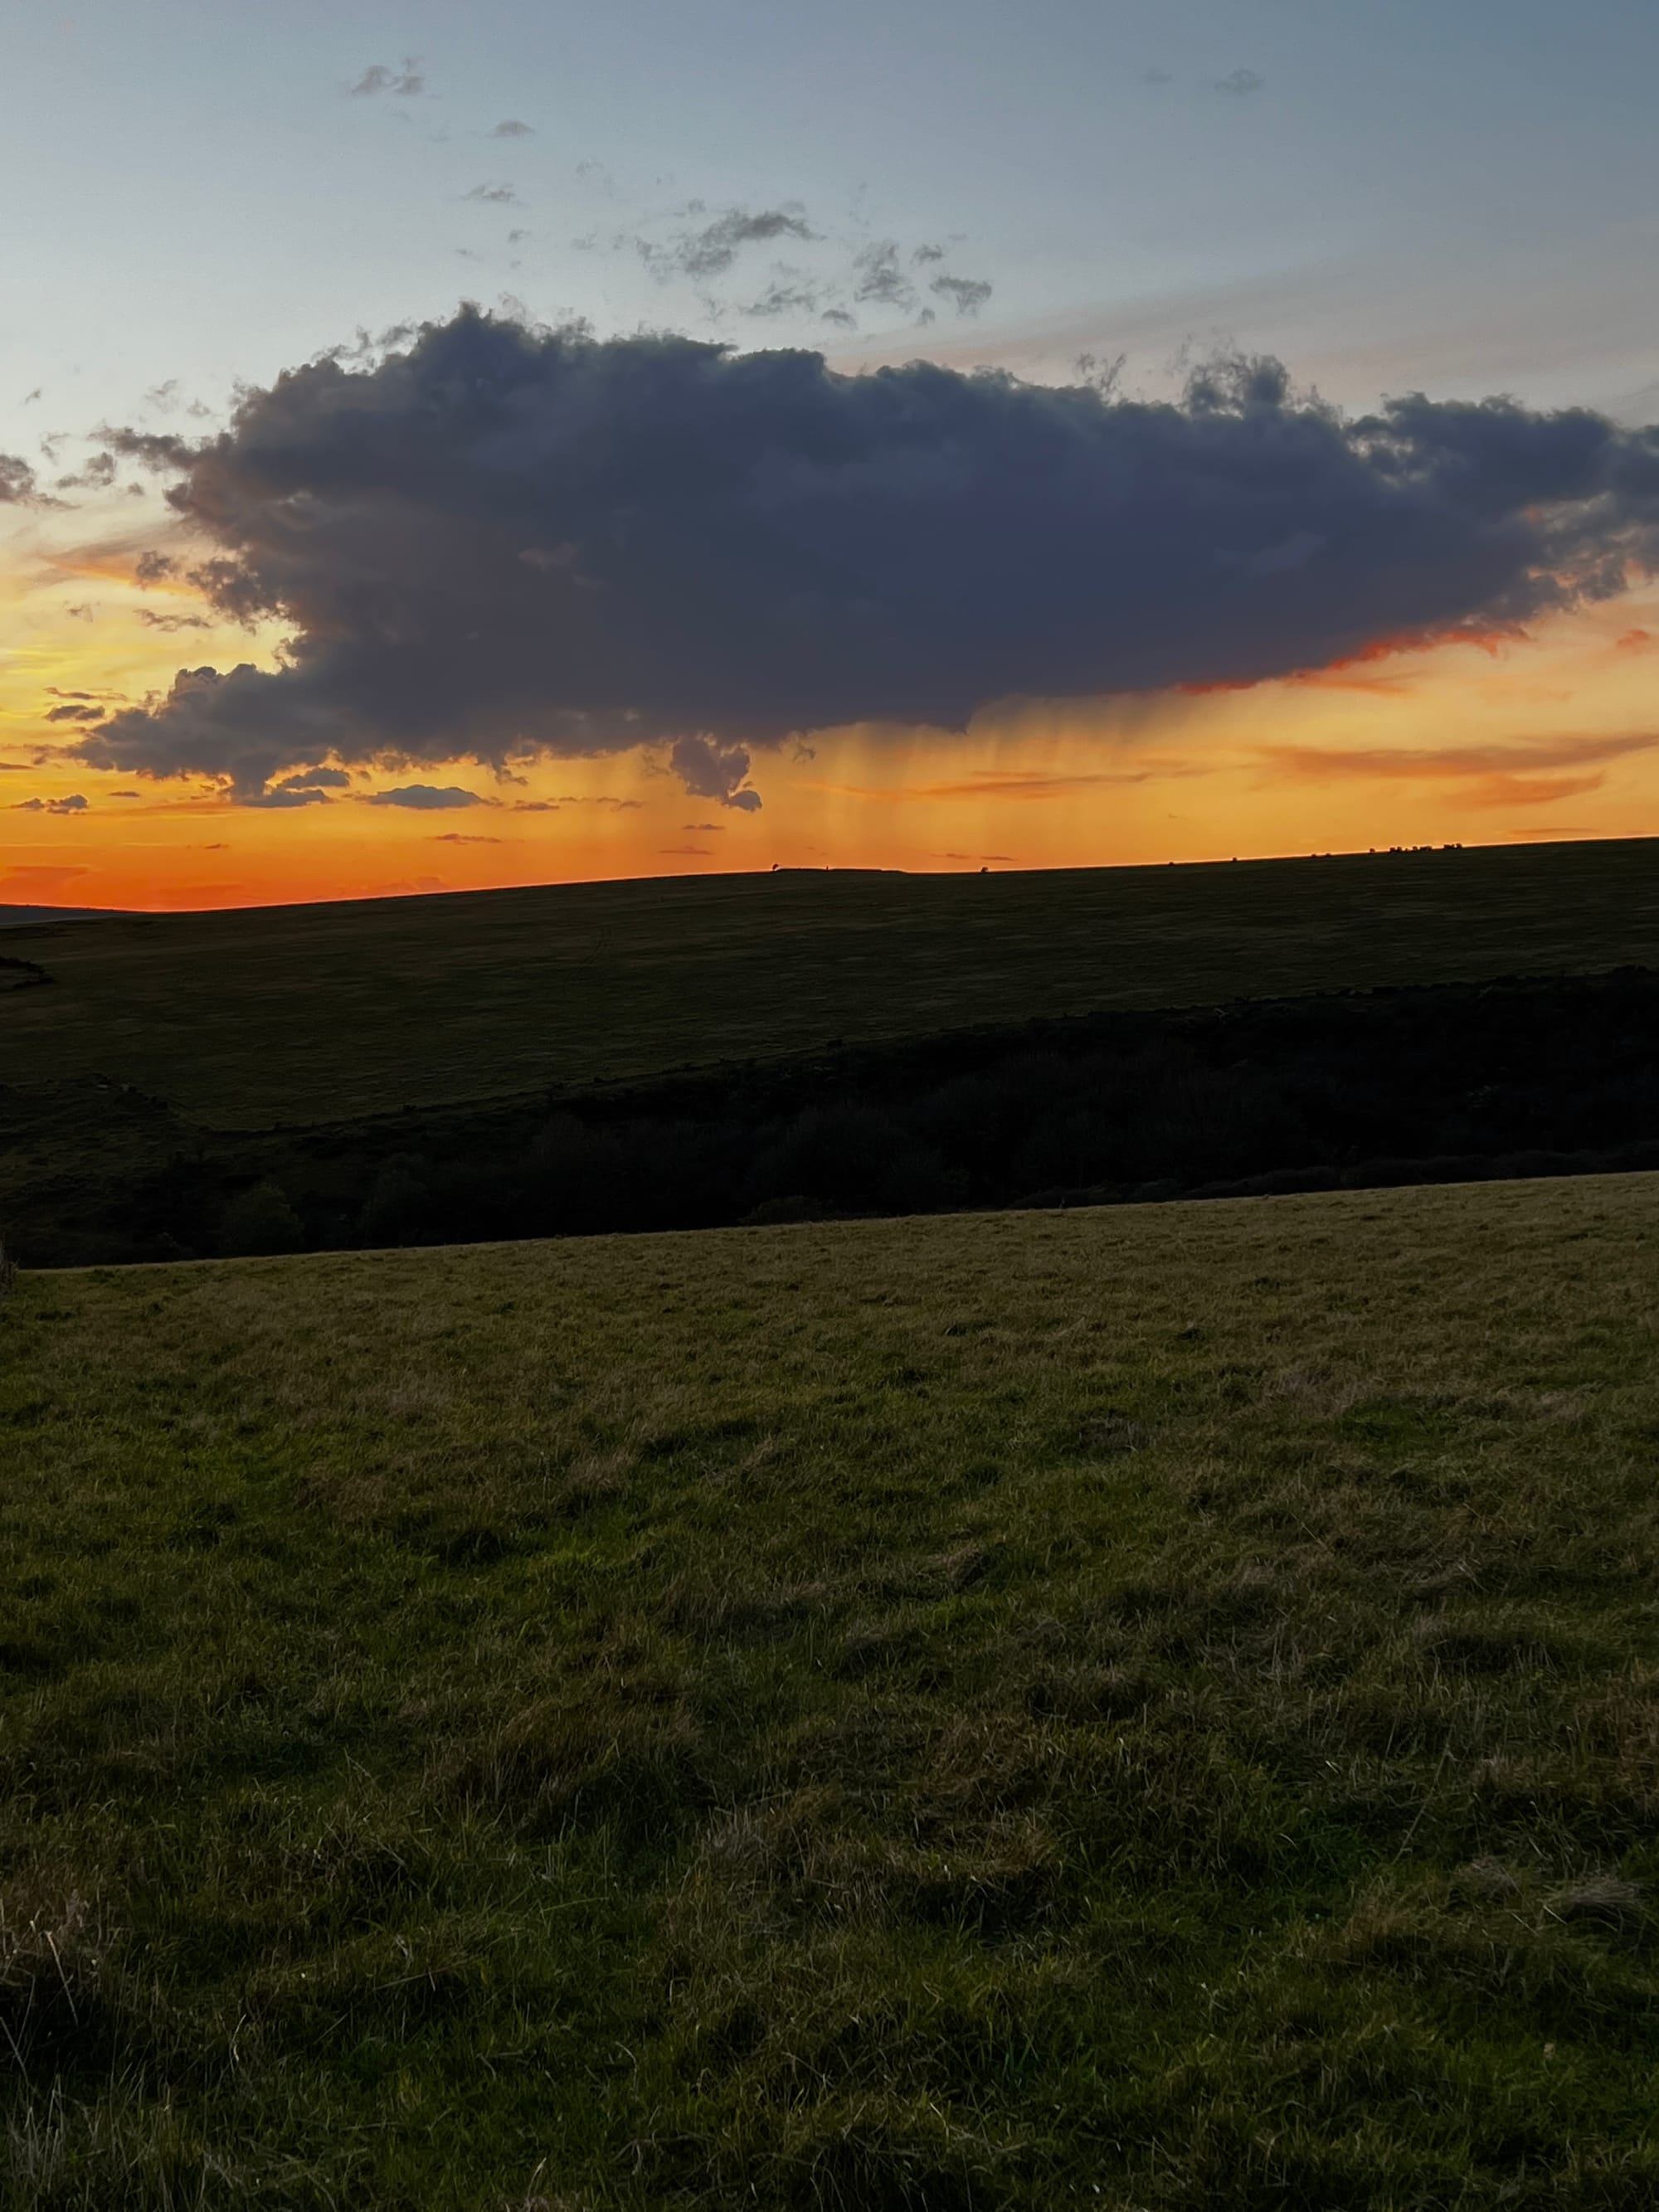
[
  {"x": 746, "y": 546},
  {"x": 16, "y": 479},
  {"x": 97, "y": 475},
  {"x": 496, "y": 195},
  {"x": 76, "y": 713},
  {"x": 77, "y": 805},
  {"x": 153, "y": 568},
  {"x": 510, "y": 127},
  {"x": 460, "y": 837},
  {"x": 710, "y": 769},
  {"x": 1241, "y": 83}
]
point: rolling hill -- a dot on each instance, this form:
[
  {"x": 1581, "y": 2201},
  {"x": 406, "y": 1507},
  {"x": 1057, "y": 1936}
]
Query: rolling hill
[{"x": 298, "y": 1015}]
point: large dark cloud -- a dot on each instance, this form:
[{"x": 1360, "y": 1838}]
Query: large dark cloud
[{"x": 498, "y": 542}]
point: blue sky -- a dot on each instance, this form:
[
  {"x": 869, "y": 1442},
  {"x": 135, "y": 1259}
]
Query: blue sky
[{"x": 1463, "y": 199}]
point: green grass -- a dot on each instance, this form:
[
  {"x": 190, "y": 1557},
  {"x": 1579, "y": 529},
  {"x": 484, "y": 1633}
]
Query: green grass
[
  {"x": 309, "y": 1014},
  {"x": 1140, "y": 1710}
]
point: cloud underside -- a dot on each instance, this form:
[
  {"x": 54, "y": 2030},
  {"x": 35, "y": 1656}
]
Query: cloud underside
[{"x": 501, "y": 543}]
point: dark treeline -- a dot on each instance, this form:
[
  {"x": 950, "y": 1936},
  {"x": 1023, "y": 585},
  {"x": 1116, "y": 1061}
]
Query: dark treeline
[{"x": 1448, "y": 1083}]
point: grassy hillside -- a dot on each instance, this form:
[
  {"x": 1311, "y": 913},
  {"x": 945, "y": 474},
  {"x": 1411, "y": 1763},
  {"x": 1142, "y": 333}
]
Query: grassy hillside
[
  {"x": 1134, "y": 1710},
  {"x": 310, "y": 1014}
]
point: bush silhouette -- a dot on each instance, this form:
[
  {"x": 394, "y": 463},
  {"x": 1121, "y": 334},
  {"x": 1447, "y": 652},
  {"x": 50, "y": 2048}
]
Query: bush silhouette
[
  {"x": 398, "y": 1207},
  {"x": 261, "y": 1220}
]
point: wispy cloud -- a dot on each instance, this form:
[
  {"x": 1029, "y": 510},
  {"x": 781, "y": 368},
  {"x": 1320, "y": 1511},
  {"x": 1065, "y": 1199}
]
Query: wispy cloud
[
  {"x": 703, "y": 249},
  {"x": 39, "y": 878},
  {"x": 408, "y": 83},
  {"x": 1034, "y": 786},
  {"x": 1525, "y": 773},
  {"x": 170, "y": 622},
  {"x": 967, "y": 294},
  {"x": 1438, "y": 763}
]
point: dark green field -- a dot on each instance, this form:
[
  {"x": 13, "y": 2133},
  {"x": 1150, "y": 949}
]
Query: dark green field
[
  {"x": 309, "y": 1014},
  {"x": 1152, "y": 1709}
]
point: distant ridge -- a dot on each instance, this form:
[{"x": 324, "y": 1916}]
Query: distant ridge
[{"x": 16, "y": 916}]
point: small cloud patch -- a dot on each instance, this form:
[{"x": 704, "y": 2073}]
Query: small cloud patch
[
  {"x": 427, "y": 798},
  {"x": 408, "y": 83}
]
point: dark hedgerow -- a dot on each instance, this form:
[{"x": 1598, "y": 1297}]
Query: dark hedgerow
[{"x": 1358, "y": 1089}]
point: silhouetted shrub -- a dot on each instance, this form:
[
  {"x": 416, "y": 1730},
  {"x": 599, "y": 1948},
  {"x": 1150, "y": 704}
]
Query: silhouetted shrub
[
  {"x": 261, "y": 1220},
  {"x": 398, "y": 1206}
]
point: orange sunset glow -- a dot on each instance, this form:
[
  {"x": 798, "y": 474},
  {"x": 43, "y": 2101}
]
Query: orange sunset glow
[{"x": 1546, "y": 735}]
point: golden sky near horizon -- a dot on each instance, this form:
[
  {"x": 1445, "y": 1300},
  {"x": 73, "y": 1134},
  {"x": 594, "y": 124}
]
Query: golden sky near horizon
[{"x": 1549, "y": 736}]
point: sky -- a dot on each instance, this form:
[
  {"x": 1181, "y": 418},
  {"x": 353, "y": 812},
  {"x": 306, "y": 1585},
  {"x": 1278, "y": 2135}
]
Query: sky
[{"x": 423, "y": 366}]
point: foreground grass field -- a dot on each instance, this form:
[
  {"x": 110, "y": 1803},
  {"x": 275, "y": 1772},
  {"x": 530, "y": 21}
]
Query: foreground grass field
[
  {"x": 1133, "y": 1710},
  {"x": 309, "y": 1014}
]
